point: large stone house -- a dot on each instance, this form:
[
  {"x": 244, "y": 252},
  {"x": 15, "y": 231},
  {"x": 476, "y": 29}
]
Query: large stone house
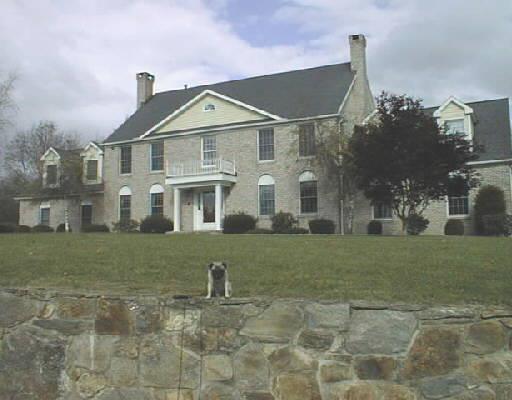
[{"x": 199, "y": 153}]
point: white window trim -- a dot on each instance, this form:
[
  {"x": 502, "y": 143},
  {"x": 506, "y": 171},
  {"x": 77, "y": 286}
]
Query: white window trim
[
  {"x": 372, "y": 208},
  {"x": 86, "y": 160},
  {"x": 124, "y": 191},
  {"x": 302, "y": 179},
  {"x": 120, "y": 158},
  {"x": 44, "y": 207},
  {"x": 155, "y": 189},
  {"x": 268, "y": 216},
  {"x": 258, "y": 146},
  {"x": 458, "y": 216},
  {"x": 202, "y": 146},
  {"x": 151, "y": 158},
  {"x": 209, "y": 110}
]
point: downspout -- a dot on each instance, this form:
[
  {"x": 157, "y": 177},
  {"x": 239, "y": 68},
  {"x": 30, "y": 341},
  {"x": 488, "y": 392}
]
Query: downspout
[{"x": 510, "y": 192}]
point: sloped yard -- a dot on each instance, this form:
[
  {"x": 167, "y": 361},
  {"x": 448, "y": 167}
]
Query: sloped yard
[{"x": 402, "y": 269}]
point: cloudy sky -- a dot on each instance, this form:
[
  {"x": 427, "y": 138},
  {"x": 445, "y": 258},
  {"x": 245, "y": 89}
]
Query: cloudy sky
[{"x": 76, "y": 60}]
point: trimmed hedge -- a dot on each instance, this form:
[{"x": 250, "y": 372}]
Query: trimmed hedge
[
  {"x": 260, "y": 231},
  {"x": 490, "y": 200},
  {"x": 374, "y": 228},
  {"x": 283, "y": 222},
  {"x": 321, "y": 226},
  {"x": 62, "y": 228},
  {"x": 7, "y": 228},
  {"x": 130, "y": 226},
  {"x": 497, "y": 225},
  {"x": 239, "y": 223},
  {"x": 156, "y": 224},
  {"x": 42, "y": 229},
  {"x": 23, "y": 229},
  {"x": 454, "y": 227},
  {"x": 295, "y": 230},
  {"x": 91, "y": 228},
  {"x": 416, "y": 224}
]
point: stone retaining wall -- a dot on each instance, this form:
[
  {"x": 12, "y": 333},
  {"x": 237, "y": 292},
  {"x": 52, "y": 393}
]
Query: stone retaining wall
[{"x": 69, "y": 346}]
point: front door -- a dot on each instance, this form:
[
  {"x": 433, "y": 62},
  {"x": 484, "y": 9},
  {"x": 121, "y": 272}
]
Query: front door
[{"x": 205, "y": 210}]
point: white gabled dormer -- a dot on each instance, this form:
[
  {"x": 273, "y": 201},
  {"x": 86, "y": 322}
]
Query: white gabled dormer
[
  {"x": 455, "y": 116},
  {"x": 51, "y": 168},
  {"x": 92, "y": 164}
]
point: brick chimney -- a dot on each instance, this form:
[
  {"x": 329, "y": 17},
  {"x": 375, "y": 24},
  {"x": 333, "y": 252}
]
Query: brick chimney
[
  {"x": 358, "y": 53},
  {"x": 145, "y": 83}
]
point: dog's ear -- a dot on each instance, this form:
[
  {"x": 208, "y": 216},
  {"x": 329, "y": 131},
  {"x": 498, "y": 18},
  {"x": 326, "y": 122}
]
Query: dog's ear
[
  {"x": 210, "y": 266},
  {"x": 225, "y": 264}
]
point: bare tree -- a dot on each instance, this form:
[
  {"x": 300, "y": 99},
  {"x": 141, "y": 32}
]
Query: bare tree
[
  {"x": 333, "y": 156},
  {"x": 24, "y": 150},
  {"x": 7, "y": 104}
]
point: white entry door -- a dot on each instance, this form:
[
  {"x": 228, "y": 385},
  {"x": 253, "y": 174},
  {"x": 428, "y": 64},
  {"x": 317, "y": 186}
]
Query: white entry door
[{"x": 204, "y": 216}]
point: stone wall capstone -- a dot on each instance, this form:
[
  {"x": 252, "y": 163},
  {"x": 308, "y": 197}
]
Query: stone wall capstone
[{"x": 72, "y": 346}]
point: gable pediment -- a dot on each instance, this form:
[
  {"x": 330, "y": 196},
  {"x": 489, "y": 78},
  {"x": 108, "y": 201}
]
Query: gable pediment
[{"x": 210, "y": 109}]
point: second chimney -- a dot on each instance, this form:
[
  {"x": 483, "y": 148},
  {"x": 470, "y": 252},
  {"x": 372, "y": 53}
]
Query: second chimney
[
  {"x": 145, "y": 82},
  {"x": 358, "y": 53}
]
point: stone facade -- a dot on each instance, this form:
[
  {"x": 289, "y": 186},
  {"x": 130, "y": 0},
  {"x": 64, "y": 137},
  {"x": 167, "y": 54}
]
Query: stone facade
[{"x": 91, "y": 346}]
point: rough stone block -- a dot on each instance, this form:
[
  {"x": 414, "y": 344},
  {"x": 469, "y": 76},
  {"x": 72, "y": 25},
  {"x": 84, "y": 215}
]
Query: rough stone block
[
  {"x": 16, "y": 309},
  {"x": 375, "y": 368},
  {"x": 251, "y": 367},
  {"x": 297, "y": 386},
  {"x": 279, "y": 323},
  {"x": 218, "y": 368},
  {"x": 435, "y": 351},
  {"x": 380, "y": 332},
  {"x": 76, "y": 308},
  {"x": 485, "y": 337},
  {"x": 335, "y": 316},
  {"x": 315, "y": 339},
  {"x": 331, "y": 371},
  {"x": 114, "y": 318},
  {"x": 65, "y": 327}
]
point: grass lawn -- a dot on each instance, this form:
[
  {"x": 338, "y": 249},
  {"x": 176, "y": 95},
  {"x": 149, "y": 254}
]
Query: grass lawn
[{"x": 424, "y": 269}]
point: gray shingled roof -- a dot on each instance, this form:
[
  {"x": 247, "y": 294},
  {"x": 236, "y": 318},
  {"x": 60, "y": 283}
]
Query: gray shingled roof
[
  {"x": 492, "y": 128},
  {"x": 294, "y": 94}
]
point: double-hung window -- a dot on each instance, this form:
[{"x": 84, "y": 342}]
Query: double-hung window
[
  {"x": 126, "y": 160},
  {"x": 382, "y": 211},
  {"x": 209, "y": 150},
  {"x": 44, "y": 216},
  {"x": 125, "y": 205},
  {"x": 156, "y": 198},
  {"x": 307, "y": 140},
  {"x": 91, "y": 170},
  {"x": 266, "y": 195},
  {"x": 454, "y": 127},
  {"x": 51, "y": 175},
  {"x": 157, "y": 156},
  {"x": 266, "y": 144},
  {"x": 458, "y": 205},
  {"x": 308, "y": 193}
]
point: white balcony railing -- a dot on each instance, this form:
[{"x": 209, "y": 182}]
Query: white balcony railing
[{"x": 200, "y": 167}]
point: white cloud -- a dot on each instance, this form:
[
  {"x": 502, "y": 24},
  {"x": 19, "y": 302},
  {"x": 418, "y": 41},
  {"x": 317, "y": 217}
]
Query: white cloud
[{"x": 77, "y": 60}]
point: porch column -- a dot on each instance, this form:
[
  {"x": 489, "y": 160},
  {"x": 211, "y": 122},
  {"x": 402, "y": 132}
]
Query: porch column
[
  {"x": 177, "y": 210},
  {"x": 218, "y": 207}
]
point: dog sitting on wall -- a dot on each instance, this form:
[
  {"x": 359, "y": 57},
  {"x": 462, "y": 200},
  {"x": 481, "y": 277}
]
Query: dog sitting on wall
[{"x": 218, "y": 280}]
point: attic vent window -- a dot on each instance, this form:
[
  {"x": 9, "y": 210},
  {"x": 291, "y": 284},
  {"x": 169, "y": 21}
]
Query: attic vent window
[{"x": 209, "y": 107}]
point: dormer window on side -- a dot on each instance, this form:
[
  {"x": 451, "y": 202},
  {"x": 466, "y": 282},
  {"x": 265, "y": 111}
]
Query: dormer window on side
[
  {"x": 91, "y": 170},
  {"x": 51, "y": 175},
  {"x": 454, "y": 127}
]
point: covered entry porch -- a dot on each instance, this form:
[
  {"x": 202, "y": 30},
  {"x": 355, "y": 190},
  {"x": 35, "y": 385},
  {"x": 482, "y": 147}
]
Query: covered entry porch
[{"x": 207, "y": 182}]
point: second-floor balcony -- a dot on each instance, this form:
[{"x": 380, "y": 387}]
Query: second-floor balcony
[{"x": 190, "y": 171}]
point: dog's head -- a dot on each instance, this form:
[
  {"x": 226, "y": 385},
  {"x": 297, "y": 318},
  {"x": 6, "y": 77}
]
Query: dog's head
[{"x": 218, "y": 269}]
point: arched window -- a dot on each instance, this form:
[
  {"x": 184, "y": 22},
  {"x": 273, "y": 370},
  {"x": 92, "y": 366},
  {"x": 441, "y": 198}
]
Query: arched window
[
  {"x": 125, "y": 205},
  {"x": 308, "y": 193},
  {"x": 156, "y": 198},
  {"x": 266, "y": 195}
]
